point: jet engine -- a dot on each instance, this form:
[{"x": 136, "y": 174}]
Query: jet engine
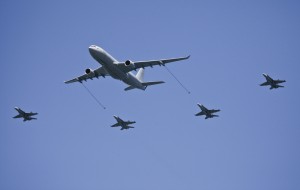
[
  {"x": 90, "y": 72},
  {"x": 130, "y": 64}
]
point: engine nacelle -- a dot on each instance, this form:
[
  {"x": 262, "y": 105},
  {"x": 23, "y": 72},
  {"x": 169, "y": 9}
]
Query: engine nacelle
[
  {"x": 90, "y": 73},
  {"x": 130, "y": 64}
]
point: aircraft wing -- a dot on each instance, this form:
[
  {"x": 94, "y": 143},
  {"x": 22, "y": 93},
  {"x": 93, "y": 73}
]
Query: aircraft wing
[
  {"x": 203, "y": 108},
  {"x": 19, "y": 110},
  {"x": 119, "y": 120},
  {"x": 116, "y": 125},
  {"x": 151, "y": 63},
  {"x": 265, "y": 84},
  {"x": 93, "y": 74},
  {"x": 200, "y": 113}
]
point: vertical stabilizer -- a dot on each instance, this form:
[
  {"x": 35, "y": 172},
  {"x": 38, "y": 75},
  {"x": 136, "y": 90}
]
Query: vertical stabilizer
[{"x": 140, "y": 75}]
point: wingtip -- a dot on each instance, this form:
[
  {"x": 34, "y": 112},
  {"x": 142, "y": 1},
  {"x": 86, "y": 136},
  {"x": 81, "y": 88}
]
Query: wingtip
[
  {"x": 67, "y": 81},
  {"x": 73, "y": 80},
  {"x": 188, "y": 56}
]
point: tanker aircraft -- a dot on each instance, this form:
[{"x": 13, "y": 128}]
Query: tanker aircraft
[{"x": 121, "y": 70}]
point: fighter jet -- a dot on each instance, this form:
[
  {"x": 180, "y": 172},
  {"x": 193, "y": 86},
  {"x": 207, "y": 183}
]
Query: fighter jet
[
  {"x": 273, "y": 83},
  {"x": 123, "y": 124},
  {"x": 121, "y": 70},
  {"x": 24, "y": 115},
  {"x": 208, "y": 113}
]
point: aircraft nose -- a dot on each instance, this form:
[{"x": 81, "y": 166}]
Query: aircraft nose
[
  {"x": 93, "y": 51},
  {"x": 92, "y": 48}
]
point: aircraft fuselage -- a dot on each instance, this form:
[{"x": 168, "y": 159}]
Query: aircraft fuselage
[{"x": 108, "y": 63}]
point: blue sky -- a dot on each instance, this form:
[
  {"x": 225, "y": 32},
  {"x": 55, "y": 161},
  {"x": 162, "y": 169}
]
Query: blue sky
[{"x": 254, "y": 144}]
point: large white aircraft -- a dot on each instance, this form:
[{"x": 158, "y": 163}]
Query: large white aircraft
[{"x": 121, "y": 70}]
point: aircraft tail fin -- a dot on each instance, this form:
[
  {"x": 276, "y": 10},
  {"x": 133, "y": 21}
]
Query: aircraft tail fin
[
  {"x": 140, "y": 77},
  {"x": 140, "y": 74}
]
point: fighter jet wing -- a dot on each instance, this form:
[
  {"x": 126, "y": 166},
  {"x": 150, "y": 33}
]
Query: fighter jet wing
[
  {"x": 265, "y": 84},
  {"x": 151, "y": 63},
  {"x": 200, "y": 113},
  {"x": 116, "y": 125},
  {"x": 93, "y": 74},
  {"x": 21, "y": 112}
]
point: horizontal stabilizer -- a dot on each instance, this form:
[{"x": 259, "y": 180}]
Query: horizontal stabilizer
[
  {"x": 152, "y": 83},
  {"x": 145, "y": 84},
  {"x": 129, "y": 88}
]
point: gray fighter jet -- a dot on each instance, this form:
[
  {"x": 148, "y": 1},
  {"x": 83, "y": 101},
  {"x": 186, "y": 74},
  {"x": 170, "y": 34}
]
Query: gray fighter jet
[
  {"x": 123, "y": 124},
  {"x": 208, "y": 113},
  {"x": 273, "y": 83},
  {"x": 24, "y": 115}
]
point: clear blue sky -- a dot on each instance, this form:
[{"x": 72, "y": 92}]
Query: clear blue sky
[{"x": 254, "y": 144}]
